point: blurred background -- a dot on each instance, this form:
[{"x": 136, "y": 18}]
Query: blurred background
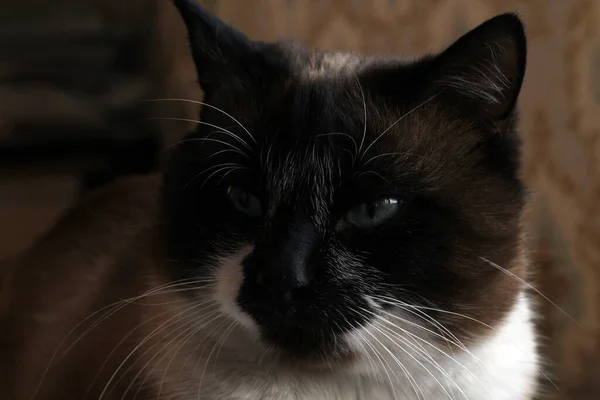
[{"x": 74, "y": 75}]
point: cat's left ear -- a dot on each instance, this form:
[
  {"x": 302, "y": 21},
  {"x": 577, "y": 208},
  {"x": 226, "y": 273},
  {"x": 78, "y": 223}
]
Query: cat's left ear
[
  {"x": 484, "y": 69},
  {"x": 222, "y": 54}
]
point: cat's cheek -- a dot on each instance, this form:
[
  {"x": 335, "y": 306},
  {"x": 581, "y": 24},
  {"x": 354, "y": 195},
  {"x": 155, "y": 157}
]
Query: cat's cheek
[{"x": 230, "y": 276}]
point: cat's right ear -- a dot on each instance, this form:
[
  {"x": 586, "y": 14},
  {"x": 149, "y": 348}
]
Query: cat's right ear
[
  {"x": 484, "y": 69},
  {"x": 222, "y": 54}
]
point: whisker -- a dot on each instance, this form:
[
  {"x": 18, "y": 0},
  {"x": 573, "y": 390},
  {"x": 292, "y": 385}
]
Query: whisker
[
  {"x": 418, "y": 362},
  {"x": 402, "y": 367},
  {"x": 116, "y": 307},
  {"x": 221, "y": 152},
  {"x": 365, "y": 352},
  {"x": 453, "y": 340},
  {"x": 362, "y": 93},
  {"x": 209, "y": 106},
  {"x": 205, "y": 323},
  {"x": 228, "y": 172},
  {"x": 228, "y": 169},
  {"x": 183, "y": 326},
  {"x": 400, "y": 154},
  {"x": 528, "y": 285},
  {"x": 218, "y": 167},
  {"x": 417, "y": 337},
  {"x": 193, "y": 329},
  {"x": 207, "y": 359},
  {"x": 221, "y": 130},
  {"x": 378, "y": 175},
  {"x": 419, "y": 313},
  {"x": 357, "y": 331},
  {"x": 345, "y": 135},
  {"x": 123, "y": 339},
  {"x": 207, "y": 139},
  {"x": 424, "y": 352},
  {"x": 397, "y": 121},
  {"x": 417, "y": 310},
  {"x": 411, "y": 380},
  {"x": 462, "y": 346},
  {"x": 210, "y": 302},
  {"x": 229, "y": 331},
  {"x": 148, "y": 337}
]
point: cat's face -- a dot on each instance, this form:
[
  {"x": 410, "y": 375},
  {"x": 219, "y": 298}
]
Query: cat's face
[{"x": 323, "y": 193}]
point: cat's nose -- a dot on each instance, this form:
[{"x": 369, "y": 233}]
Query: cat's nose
[
  {"x": 284, "y": 265},
  {"x": 282, "y": 273},
  {"x": 283, "y": 287}
]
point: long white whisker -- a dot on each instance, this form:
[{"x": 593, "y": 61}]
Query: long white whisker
[
  {"x": 462, "y": 346},
  {"x": 123, "y": 339},
  {"x": 357, "y": 331},
  {"x": 417, "y": 310},
  {"x": 398, "y": 154},
  {"x": 116, "y": 306},
  {"x": 140, "y": 344},
  {"x": 183, "y": 327},
  {"x": 362, "y": 93},
  {"x": 404, "y": 369},
  {"x": 430, "y": 320},
  {"x": 381, "y": 362},
  {"x": 417, "y": 337},
  {"x": 221, "y": 152},
  {"x": 228, "y": 169},
  {"x": 228, "y": 332},
  {"x": 221, "y": 129},
  {"x": 378, "y": 175},
  {"x": 205, "y": 323},
  {"x": 422, "y": 350},
  {"x": 208, "y": 358},
  {"x": 345, "y": 135},
  {"x": 397, "y": 121},
  {"x": 417, "y": 361},
  {"x": 208, "y": 139},
  {"x": 528, "y": 285},
  {"x": 222, "y": 165},
  {"x": 228, "y": 172},
  {"x": 209, "y": 106},
  {"x": 207, "y": 319},
  {"x": 186, "y": 326}
]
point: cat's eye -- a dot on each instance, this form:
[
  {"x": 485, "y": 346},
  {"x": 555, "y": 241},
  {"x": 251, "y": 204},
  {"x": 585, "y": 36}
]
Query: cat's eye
[
  {"x": 371, "y": 214},
  {"x": 244, "y": 201}
]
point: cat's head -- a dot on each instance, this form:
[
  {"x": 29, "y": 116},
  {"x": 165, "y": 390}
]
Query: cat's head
[{"x": 324, "y": 193}]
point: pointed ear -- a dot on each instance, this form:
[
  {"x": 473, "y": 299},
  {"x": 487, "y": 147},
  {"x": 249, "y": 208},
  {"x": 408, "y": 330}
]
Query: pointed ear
[
  {"x": 484, "y": 69},
  {"x": 221, "y": 53}
]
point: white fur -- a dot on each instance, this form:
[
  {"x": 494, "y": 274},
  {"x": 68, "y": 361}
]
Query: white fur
[
  {"x": 229, "y": 279},
  {"x": 503, "y": 366}
]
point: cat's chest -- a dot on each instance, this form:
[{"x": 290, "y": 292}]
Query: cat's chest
[
  {"x": 394, "y": 384},
  {"x": 285, "y": 387},
  {"x": 503, "y": 367}
]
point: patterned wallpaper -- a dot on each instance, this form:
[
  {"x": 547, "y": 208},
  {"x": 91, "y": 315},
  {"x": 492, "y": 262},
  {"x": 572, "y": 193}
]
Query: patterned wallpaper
[{"x": 560, "y": 124}]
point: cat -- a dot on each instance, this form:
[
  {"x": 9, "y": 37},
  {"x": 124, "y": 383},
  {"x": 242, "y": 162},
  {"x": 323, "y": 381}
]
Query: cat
[{"x": 337, "y": 227}]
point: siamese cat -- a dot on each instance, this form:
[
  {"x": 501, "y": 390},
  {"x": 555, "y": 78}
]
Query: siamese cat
[{"x": 337, "y": 227}]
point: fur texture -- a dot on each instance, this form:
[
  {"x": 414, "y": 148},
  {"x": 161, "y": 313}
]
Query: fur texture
[{"x": 337, "y": 227}]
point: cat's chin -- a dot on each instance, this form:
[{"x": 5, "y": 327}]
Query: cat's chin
[{"x": 340, "y": 360}]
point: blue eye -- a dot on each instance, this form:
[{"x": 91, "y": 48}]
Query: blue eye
[
  {"x": 244, "y": 202},
  {"x": 368, "y": 215}
]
